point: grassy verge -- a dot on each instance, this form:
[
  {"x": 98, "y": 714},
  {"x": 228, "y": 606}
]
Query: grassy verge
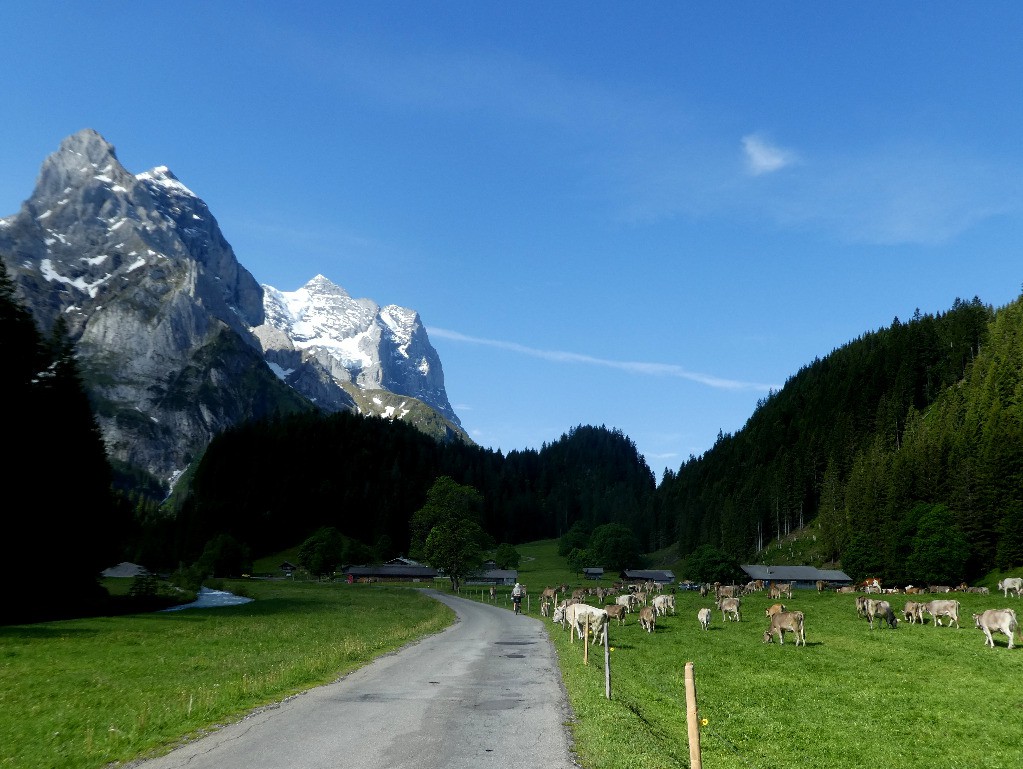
[
  {"x": 84, "y": 693},
  {"x": 916, "y": 696}
]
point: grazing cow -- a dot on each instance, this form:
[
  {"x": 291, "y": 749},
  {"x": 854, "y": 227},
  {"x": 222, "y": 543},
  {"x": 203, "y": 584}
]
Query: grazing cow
[
  {"x": 616, "y": 611},
  {"x": 940, "y": 589},
  {"x": 1009, "y": 584},
  {"x": 724, "y": 591},
  {"x": 729, "y": 608},
  {"x": 704, "y": 615},
  {"x": 943, "y": 608},
  {"x": 881, "y": 609},
  {"x": 913, "y": 611},
  {"x": 549, "y": 594},
  {"x": 786, "y": 621},
  {"x": 997, "y": 621},
  {"x": 871, "y": 585},
  {"x": 773, "y": 609},
  {"x": 914, "y": 590},
  {"x": 662, "y": 603},
  {"x": 846, "y": 589},
  {"x": 647, "y": 618}
]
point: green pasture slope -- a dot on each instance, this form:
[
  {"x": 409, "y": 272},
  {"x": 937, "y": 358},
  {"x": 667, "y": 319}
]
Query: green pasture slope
[{"x": 87, "y": 693}]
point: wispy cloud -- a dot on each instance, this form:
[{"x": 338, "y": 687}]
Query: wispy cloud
[
  {"x": 633, "y": 367},
  {"x": 763, "y": 157}
]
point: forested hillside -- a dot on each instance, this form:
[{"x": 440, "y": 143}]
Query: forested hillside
[
  {"x": 273, "y": 484},
  {"x": 903, "y": 448}
]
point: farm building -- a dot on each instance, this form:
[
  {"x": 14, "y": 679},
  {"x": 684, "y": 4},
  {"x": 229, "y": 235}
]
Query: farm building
[
  {"x": 799, "y": 576},
  {"x": 391, "y": 573},
  {"x": 593, "y": 572},
  {"x": 493, "y": 577},
  {"x": 660, "y": 576}
]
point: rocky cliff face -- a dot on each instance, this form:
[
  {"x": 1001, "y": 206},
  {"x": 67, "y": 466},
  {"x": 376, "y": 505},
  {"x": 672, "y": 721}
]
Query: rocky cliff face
[{"x": 176, "y": 340}]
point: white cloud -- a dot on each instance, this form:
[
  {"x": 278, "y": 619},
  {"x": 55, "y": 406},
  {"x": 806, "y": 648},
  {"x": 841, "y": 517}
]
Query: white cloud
[
  {"x": 634, "y": 367},
  {"x": 765, "y": 158}
]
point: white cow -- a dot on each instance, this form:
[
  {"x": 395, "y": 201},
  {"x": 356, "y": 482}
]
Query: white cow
[
  {"x": 578, "y": 614},
  {"x": 1011, "y": 584},
  {"x": 703, "y": 615},
  {"x": 629, "y": 601},
  {"x": 663, "y": 602},
  {"x": 997, "y": 621}
]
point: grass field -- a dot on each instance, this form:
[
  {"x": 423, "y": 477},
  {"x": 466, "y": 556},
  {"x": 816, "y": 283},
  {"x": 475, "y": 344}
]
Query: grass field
[
  {"x": 85, "y": 693},
  {"x": 916, "y": 696}
]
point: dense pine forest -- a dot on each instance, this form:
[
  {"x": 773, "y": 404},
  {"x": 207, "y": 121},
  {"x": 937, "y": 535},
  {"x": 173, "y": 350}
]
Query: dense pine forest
[
  {"x": 899, "y": 453},
  {"x": 901, "y": 450}
]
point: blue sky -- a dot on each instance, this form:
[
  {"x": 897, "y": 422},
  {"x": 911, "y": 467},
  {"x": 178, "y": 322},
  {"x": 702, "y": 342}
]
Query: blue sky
[{"x": 637, "y": 215}]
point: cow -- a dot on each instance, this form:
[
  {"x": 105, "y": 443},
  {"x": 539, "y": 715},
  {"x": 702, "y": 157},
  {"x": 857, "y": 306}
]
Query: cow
[
  {"x": 662, "y": 603},
  {"x": 549, "y": 594},
  {"x": 822, "y": 585},
  {"x": 861, "y": 605},
  {"x": 871, "y": 585},
  {"x": 724, "y": 591},
  {"x": 881, "y": 609},
  {"x": 943, "y": 608},
  {"x": 940, "y": 588},
  {"x": 616, "y": 611},
  {"x": 997, "y": 621},
  {"x": 704, "y": 615},
  {"x": 576, "y": 616},
  {"x": 628, "y": 600},
  {"x": 846, "y": 589},
  {"x": 774, "y": 609},
  {"x": 780, "y": 590},
  {"x": 729, "y": 608},
  {"x": 786, "y": 621},
  {"x": 913, "y": 611},
  {"x": 1009, "y": 584},
  {"x": 647, "y": 618}
]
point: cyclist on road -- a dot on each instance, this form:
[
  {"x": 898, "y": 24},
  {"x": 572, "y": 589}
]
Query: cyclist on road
[{"x": 516, "y": 596}]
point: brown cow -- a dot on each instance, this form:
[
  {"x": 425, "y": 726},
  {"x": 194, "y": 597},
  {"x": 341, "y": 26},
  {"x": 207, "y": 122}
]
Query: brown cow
[
  {"x": 616, "y": 611},
  {"x": 786, "y": 621},
  {"x": 647, "y": 618},
  {"x": 943, "y": 608},
  {"x": 729, "y": 608},
  {"x": 774, "y": 609}
]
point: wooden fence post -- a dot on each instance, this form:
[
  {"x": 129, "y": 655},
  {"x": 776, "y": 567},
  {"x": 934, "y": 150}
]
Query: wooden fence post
[
  {"x": 695, "y": 760},
  {"x": 586, "y": 640},
  {"x": 607, "y": 667}
]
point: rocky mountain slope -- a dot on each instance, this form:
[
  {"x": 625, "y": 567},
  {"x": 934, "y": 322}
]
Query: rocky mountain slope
[{"x": 176, "y": 340}]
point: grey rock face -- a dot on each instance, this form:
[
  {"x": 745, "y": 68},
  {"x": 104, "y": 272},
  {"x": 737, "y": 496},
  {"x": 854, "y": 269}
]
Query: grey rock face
[{"x": 172, "y": 331}]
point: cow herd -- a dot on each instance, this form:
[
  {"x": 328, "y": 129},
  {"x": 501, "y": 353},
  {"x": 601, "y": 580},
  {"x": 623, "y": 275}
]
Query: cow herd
[{"x": 649, "y": 603}]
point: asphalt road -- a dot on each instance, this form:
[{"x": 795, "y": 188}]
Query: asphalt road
[{"x": 486, "y": 692}]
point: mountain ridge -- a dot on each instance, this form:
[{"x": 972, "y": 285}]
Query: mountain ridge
[{"x": 173, "y": 333}]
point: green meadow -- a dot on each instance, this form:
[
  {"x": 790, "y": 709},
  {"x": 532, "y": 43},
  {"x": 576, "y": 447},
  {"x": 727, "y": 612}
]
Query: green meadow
[{"x": 92, "y": 692}]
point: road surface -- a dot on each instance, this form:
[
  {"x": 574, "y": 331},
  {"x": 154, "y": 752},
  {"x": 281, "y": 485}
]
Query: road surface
[{"x": 486, "y": 692}]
